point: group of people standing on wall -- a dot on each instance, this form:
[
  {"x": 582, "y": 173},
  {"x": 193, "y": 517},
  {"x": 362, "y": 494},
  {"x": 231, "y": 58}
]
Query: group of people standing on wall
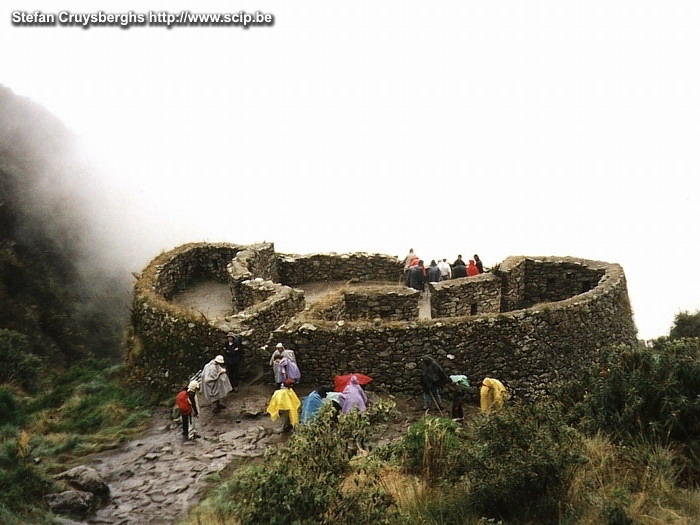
[{"x": 416, "y": 274}]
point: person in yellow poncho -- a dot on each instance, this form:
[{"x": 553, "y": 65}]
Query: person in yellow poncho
[
  {"x": 284, "y": 399},
  {"x": 493, "y": 394}
]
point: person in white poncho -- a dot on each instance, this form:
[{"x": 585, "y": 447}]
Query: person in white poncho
[{"x": 215, "y": 383}]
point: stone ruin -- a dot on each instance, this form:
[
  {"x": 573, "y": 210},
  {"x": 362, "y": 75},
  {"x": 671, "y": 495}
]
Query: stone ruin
[{"x": 529, "y": 321}]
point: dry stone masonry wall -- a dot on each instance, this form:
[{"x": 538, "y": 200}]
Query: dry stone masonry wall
[
  {"x": 298, "y": 269},
  {"x": 254, "y": 262},
  {"x": 529, "y": 348},
  {"x": 466, "y": 296},
  {"x": 169, "y": 343},
  {"x": 538, "y": 320},
  {"x": 390, "y": 303}
]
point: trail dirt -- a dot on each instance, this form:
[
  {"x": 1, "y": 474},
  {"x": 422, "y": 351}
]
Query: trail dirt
[{"x": 158, "y": 477}]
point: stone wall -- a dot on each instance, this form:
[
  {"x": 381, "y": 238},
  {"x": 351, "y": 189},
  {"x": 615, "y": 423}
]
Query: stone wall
[
  {"x": 465, "y": 296},
  {"x": 257, "y": 261},
  {"x": 529, "y": 349},
  {"x": 548, "y": 281},
  {"x": 390, "y": 303},
  {"x": 259, "y": 320},
  {"x": 169, "y": 343},
  {"x": 175, "y": 270},
  {"x": 298, "y": 269},
  {"x": 512, "y": 274}
]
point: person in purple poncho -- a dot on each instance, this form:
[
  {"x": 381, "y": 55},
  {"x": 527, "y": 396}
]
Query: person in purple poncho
[
  {"x": 353, "y": 397},
  {"x": 288, "y": 370}
]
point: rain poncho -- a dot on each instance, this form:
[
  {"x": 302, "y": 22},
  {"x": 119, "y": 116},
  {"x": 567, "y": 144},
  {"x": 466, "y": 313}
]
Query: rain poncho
[
  {"x": 215, "y": 385},
  {"x": 312, "y": 403},
  {"x": 353, "y": 397},
  {"x": 289, "y": 354},
  {"x": 432, "y": 376},
  {"x": 284, "y": 399},
  {"x": 288, "y": 369},
  {"x": 493, "y": 394},
  {"x": 460, "y": 380}
]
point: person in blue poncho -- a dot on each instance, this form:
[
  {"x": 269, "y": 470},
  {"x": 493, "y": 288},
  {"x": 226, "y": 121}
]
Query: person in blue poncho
[{"x": 312, "y": 403}]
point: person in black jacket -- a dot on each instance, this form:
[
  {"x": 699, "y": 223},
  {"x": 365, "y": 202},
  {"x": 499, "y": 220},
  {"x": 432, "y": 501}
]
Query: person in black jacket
[
  {"x": 233, "y": 358},
  {"x": 434, "y": 273},
  {"x": 479, "y": 264},
  {"x": 432, "y": 378},
  {"x": 415, "y": 278}
]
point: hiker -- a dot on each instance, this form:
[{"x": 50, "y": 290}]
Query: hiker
[
  {"x": 479, "y": 264},
  {"x": 415, "y": 278},
  {"x": 192, "y": 392},
  {"x": 184, "y": 405},
  {"x": 311, "y": 404},
  {"x": 215, "y": 383},
  {"x": 288, "y": 370},
  {"x": 407, "y": 260},
  {"x": 445, "y": 270},
  {"x": 459, "y": 269},
  {"x": 285, "y": 352},
  {"x": 472, "y": 270},
  {"x": 285, "y": 400},
  {"x": 434, "y": 273},
  {"x": 233, "y": 358},
  {"x": 459, "y": 385},
  {"x": 432, "y": 378},
  {"x": 493, "y": 395},
  {"x": 353, "y": 397}
]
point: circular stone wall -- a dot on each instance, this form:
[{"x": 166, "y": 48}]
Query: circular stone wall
[{"x": 555, "y": 313}]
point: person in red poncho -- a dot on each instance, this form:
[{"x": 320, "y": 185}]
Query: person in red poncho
[{"x": 472, "y": 270}]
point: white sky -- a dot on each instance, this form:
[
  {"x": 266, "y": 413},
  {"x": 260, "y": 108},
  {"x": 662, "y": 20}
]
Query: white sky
[{"x": 502, "y": 128}]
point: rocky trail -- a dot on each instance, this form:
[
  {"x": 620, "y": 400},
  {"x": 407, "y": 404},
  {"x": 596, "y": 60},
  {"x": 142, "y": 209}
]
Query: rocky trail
[{"x": 158, "y": 477}]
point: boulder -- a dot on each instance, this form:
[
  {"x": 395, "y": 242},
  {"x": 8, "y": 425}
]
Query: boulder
[
  {"x": 85, "y": 479},
  {"x": 76, "y": 502}
]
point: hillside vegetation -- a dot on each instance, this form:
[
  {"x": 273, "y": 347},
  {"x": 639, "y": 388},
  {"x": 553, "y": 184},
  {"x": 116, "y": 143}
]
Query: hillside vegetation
[{"x": 62, "y": 393}]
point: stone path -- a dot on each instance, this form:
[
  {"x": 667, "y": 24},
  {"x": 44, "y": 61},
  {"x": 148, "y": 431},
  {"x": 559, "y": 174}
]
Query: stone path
[{"x": 157, "y": 478}]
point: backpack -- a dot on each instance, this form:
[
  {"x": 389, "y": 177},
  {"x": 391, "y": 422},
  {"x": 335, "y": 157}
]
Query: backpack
[{"x": 183, "y": 403}]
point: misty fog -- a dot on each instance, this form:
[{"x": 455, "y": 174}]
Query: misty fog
[{"x": 509, "y": 129}]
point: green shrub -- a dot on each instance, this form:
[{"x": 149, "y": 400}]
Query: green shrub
[
  {"x": 17, "y": 363},
  {"x": 303, "y": 482},
  {"x": 11, "y": 412},
  {"x": 685, "y": 325},
  {"x": 432, "y": 448},
  {"x": 518, "y": 463},
  {"x": 645, "y": 393},
  {"x": 21, "y": 484}
]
